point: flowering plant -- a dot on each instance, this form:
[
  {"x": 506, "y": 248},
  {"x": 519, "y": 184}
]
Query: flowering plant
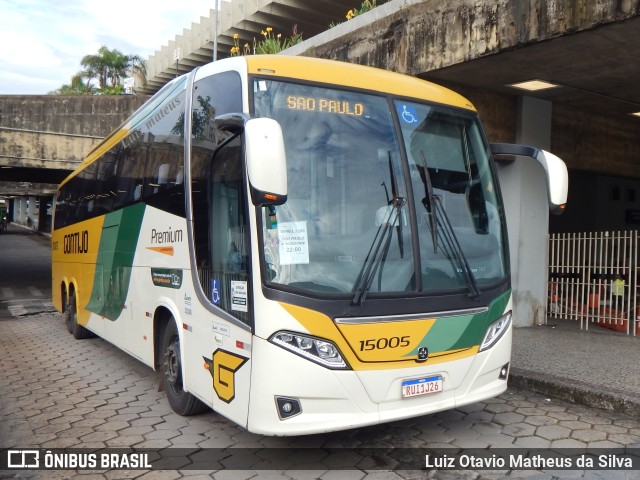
[
  {"x": 275, "y": 43},
  {"x": 365, "y": 6},
  {"x": 235, "y": 50},
  {"x": 269, "y": 44}
]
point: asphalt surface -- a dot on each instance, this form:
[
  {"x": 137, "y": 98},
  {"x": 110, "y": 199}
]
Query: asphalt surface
[{"x": 25, "y": 272}]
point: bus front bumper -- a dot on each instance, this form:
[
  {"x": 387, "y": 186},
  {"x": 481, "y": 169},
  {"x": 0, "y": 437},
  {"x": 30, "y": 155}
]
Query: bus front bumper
[{"x": 331, "y": 400}]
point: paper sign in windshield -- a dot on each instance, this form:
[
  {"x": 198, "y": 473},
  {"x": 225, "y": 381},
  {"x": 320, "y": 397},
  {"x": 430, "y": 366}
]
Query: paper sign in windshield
[
  {"x": 294, "y": 243},
  {"x": 239, "y": 296}
]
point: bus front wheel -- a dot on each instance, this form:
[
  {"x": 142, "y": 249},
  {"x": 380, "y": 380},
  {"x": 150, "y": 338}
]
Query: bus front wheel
[{"x": 182, "y": 402}]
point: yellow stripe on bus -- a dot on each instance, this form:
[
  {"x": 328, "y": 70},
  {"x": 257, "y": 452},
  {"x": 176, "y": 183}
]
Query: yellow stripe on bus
[
  {"x": 319, "y": 325},
  {"x": 356, "y": 76},
  {"x": 74, "y": 253}
]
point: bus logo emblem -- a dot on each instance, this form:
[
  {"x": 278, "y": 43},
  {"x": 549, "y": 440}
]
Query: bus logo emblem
[
  {"x": 223, "y": 367},
  {"x": 423, "y": 354}
]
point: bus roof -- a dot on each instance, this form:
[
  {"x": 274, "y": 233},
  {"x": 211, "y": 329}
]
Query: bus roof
[
  {"x": 355, "y": 76},
  {"x": 323, "y": 71}
]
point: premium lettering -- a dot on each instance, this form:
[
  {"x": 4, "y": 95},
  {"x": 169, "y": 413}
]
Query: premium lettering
[{"x": 167, "y": 236}]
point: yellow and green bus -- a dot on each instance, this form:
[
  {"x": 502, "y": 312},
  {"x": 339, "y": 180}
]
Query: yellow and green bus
[{"x": 299, "y": 244}]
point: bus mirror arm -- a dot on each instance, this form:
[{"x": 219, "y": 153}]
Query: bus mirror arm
[
  {"x": 265, "y": 156},
  {"x": 231, "y": 122},
  {"x": 554, "y": 168}
]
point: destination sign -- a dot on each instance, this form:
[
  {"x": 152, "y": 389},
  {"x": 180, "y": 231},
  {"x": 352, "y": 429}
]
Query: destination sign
[{"x": 317, "y": 104}]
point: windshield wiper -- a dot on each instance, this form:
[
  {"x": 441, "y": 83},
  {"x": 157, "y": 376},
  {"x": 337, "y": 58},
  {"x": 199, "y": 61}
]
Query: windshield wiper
[
  {"x": 377, "y": 253},
  {"x": 428, "y": 202},
  {"x": 394, "y": 200},
  {"x": 438, "y": 216},
  {"x": 379, "y": 249},
  {"x": 451, "y": 239}
]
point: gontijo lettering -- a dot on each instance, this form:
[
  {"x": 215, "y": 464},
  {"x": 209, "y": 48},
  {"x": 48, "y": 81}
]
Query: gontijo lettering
[
  {"x": 340, "y": 107},
  {"x": 77, "y": 242}
]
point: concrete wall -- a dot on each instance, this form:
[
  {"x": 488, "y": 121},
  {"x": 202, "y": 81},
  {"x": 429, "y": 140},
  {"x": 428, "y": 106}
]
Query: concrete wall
[
  {"x": 498, "y": 113},
  {"x": 596, "y": 143},
  {"x": 416, "y": 36},
  {"x": 54, "y": 131},
  {"x": 51, "y": 133}
]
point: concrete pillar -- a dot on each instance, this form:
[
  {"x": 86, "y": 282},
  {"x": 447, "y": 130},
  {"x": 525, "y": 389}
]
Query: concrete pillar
[
  {"x": 23, "y": 210},
  {"x": 45, "y": 214},
  {"x": 524, "y": 189},
  {"x": 33, "y": 212},
  {"x": 12, "y": 204}
]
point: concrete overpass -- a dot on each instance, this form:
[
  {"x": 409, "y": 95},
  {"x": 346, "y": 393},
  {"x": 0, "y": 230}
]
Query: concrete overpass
[
  {"x": 246, "y": 18},
  {"x": 479, "y": 47},
  {"x": 588, "y": 48},
  {"x": 43, "y": 138}
]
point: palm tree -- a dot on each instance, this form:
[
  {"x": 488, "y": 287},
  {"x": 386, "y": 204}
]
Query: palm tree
[
  {"x": 138, "y": 69},
  {"x": 96, "y": 66},
  {"x": 110, "y": 67},
  {"x": 77, "y": 86}
]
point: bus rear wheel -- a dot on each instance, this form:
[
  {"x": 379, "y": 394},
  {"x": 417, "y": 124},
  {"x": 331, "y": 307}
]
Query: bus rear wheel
[
  {"x": 181, "y": 402},
  {"x": 77, "y": 330}
]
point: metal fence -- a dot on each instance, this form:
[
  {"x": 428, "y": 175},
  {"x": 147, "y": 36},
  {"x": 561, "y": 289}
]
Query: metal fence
[{"x": 593, "y": 278}]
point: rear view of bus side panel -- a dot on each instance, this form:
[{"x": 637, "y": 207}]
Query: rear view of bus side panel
[
  {"x": 139, "y": 168},
  {"x": 74, "y": 261}
]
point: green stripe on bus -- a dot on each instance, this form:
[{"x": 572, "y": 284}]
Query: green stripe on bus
[
  {"x": 462, "y": 331},
  {"x": 118, "y": 241}
]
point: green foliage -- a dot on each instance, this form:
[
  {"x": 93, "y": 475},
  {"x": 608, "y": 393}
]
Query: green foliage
[
  {"x": 78, "y": 86},
  {"x": 108, "y": 69},
  {"x": 270, "y": 43}
]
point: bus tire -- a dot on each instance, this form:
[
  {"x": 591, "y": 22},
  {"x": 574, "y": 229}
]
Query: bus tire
[
  {"x": 181, "y": 402},
  {"x": 77, "y": 330},
  {"x": 68, "y": 314}
]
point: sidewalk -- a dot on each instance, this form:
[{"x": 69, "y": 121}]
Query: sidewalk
[
  {"x": 598, "y": 367},
  {"x": 19, "y": 227}
]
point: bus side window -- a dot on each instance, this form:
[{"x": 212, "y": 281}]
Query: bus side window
[
  {"x": 128, "y": 183},
  {"x": 228, "y": 232},
  {"x": 218, "y": 212},
  {"x": 163, "y": 187}
]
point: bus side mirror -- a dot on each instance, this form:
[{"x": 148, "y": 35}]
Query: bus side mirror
[
  {"x": 266, "y": 161},
  {"x": 555, "y": 170}
]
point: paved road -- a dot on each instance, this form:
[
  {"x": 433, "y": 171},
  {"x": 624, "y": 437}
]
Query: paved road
[
  {"x": 25, "y": 273},
  {"x": 58, "y": 392}
]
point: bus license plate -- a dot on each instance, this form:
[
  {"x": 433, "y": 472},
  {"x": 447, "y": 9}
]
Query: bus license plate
[{"x": 421, "y": 386}]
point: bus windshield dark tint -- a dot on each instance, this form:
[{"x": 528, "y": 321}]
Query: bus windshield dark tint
[{"x": 346, "y": 227}]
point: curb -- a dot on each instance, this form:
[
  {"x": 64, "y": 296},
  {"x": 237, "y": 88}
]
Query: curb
[
  {"x": 31, "y": 230},
  {"x": 575, "y": 391}
]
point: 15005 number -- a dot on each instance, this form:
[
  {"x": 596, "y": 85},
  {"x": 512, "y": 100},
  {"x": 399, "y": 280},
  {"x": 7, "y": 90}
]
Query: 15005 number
[{"x": 382, "y": 343}]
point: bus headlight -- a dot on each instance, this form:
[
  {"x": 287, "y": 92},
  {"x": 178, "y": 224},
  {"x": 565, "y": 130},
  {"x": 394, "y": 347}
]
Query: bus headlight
[
  {"x": 317, "y": 350},
  {"x": 495, "y": 331}
]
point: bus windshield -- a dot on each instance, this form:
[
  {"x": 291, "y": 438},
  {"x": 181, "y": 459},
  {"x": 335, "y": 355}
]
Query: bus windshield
[{"x": 370, "y": 204}]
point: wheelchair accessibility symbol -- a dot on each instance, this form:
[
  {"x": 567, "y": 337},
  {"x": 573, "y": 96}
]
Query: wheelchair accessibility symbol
[
  {"x": 408, "y": 114},
  {"x": 215, "y": 291}
]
